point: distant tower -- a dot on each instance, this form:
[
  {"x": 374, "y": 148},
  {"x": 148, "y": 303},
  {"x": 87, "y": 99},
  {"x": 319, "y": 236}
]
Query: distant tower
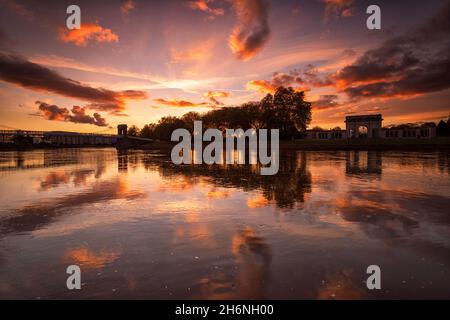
[{"x": 122, "y": 129}]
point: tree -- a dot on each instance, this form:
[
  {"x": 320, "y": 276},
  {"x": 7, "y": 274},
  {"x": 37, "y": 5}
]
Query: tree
[
  {"x": 188, "y": 120},
  {"x": 287, "y": 111},
  {"x": 441, "y": 129},
  {"x": 148, "y": 131},
  {"x": 133, "y": 131},
  {"x": 165, "y": 127}
]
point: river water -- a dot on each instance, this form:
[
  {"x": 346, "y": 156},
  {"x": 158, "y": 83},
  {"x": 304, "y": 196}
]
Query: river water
[{"x": 140, "y": 227}]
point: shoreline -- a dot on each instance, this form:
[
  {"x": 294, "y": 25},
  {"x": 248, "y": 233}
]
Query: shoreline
[{"x": 439, "y": 143}]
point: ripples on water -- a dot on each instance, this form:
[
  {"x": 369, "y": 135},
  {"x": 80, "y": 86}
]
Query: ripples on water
[{"x": 141, "y": 227}]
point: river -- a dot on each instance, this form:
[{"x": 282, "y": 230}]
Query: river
[{"x": 140, "y": 227}]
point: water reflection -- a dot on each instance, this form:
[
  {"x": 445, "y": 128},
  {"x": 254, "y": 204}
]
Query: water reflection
[
  {"x": 285, "y": 189},
  {"x": 363, "y": 163},
  {"x": 87, "y": 259},
  {"x": 340, "y": 286},
  {"x": 141, "y": 227},
  {"x": 253, "y": 257},
  {"x": 37, "y": 215}
]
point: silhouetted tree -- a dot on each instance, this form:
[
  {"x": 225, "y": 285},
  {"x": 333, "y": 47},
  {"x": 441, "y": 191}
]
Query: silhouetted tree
[
  {"x": 133, "y": 131},
  {"x": 148, "y": 131},
  {"x": 165, "y": 127},
  {"x": 287, "y": 111},
  {"x": 442, "y": 128},
  {"x": 188, "y": 120}
]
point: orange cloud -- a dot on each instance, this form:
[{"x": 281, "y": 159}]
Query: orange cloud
[
  {"x": 213, "y": 96},
  {"x": 338, "y": 8},
  {"x": 181, "y": 103},
  {"x": 262, "y": 86},
  {"x": 19, "y": 71},
  {"x": 81, "y": 37},
  {"x": 204, "y": 5},
  {"x": 253, "y": 31},
  {"x": 77, "y": 114}
]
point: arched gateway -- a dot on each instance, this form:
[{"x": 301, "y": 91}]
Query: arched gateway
[{"x": 353, "y": 125}]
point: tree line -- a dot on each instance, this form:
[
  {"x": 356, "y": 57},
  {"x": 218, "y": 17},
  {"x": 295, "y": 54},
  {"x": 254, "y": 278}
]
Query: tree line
[
  {"x": 285, "y": 110},
  {"x": 443, "y": 128}
]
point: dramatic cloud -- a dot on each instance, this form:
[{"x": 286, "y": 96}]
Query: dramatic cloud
[
  {"x": 76, "y": 115},
  {"x": 213, "y": 96},
  {"x": 87, "y": 32},
  {"x": 408, "y": 65},
  {"x": 18, "y": 8},
  {"x": 337, "y": 8},
  {"x": 253, "y": 31},
  {"x": 205, "y": 6},
  {"x": 261, "y": 86},
  {"x": 312, "y": 77},
  {"x": 181, "y": 103},
  {"x": 53, "y": 112},
  {"x": 280, "y": 79},
  {"x": 126, "y": 7},
  {"x": 300, "y": 80},
  {"x": 325, "y": 102},
  {"x": 18, "y": 70}
]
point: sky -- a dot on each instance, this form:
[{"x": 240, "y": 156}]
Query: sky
[{"x": 135, "y": 61}]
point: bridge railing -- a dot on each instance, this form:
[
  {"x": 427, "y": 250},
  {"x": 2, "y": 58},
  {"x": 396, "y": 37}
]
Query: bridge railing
[
  {"x": 22, "y": 132},
  {"x": 61, "y": 133}
]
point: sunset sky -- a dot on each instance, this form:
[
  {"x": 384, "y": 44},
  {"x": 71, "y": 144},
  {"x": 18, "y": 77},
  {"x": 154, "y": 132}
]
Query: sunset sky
[{"x": 135, "y": 61}]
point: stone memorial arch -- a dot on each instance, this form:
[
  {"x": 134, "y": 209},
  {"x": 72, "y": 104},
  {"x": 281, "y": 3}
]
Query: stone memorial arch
[{"x": 366, "y": 126}]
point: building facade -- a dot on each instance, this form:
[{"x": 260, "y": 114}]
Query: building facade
[{"x": 370, "y": 126}]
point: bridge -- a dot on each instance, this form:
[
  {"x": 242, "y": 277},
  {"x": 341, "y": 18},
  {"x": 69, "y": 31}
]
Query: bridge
[{"x": 18, "y": 137}]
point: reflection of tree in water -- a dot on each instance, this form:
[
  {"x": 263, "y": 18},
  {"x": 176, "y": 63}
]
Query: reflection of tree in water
[
  {"x": 444, "y": 162},
  {"x": 285, "y": 188}
]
